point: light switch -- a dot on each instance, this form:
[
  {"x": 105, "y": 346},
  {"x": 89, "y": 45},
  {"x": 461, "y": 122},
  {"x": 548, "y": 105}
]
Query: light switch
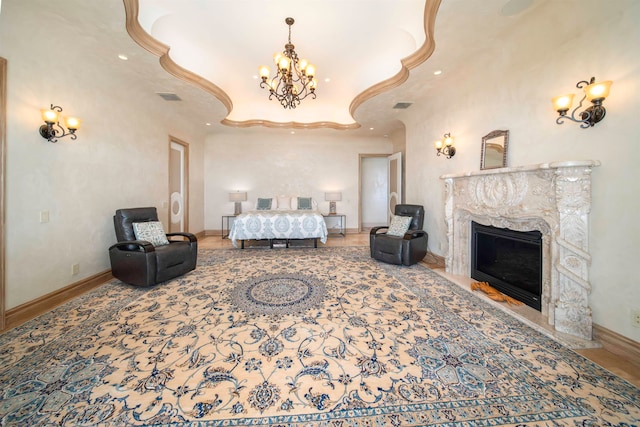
[{"x": 44, "y": 216}]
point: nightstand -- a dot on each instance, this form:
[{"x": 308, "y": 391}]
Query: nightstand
[
  {"x": 337, "y": 222},
  {"x": 226, "y": 225}
]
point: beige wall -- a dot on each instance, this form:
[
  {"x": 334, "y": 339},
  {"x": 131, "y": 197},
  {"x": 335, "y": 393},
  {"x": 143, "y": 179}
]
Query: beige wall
[
  {"x": 120, "y": 158},
  {"x": 510, "y": 88},
  {"x": 278, "y": 163}
]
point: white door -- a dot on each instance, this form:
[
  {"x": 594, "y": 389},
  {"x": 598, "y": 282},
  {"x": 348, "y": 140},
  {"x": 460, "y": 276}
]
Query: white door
[
  {"x": 395, "y": 182},
  {"x": 178, "y": 186}
]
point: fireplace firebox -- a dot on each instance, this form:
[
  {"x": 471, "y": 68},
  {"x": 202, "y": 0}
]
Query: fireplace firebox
[{"x": 511, "y": 261}]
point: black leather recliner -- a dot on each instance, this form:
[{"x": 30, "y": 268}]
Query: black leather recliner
[
  {"x": 138, "y": 262},
  {"x": 401, "y": 250}
]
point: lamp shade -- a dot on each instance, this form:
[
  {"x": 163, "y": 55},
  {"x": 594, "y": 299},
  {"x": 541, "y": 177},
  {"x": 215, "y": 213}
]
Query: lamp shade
[
  {"x": 334, "y": 196},
  {"x": 598, "y": 90},
  {"x": 238, "y": 196},
  {"x": 49, "y": 116},
  {"x": 563, "y": 102},
  {"x": 73, "y": 123}
]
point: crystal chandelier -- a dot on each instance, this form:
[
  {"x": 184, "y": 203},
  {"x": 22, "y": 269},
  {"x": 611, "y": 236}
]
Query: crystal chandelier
[{"x": 294, "y": 79}]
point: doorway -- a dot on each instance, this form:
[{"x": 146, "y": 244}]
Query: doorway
[
  {"x": 373, "y": 191},
  {"x": 178, "y": 186}
]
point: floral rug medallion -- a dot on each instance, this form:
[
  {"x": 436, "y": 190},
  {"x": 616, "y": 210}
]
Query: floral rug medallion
[
  {"x": 298, "y": 338},
  {"x": 278, "y": 294}
]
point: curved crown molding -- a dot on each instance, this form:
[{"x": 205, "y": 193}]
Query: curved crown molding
[
  {"x": 145, "y": 40},
  {"x": 291, "y": 125},
  {"x": 408, "y": 63}
]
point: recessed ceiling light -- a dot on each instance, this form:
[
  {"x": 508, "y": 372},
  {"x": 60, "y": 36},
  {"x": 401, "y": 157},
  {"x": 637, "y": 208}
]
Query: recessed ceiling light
[
  {"x": 327, "y": 80},
  {"x": 371, "y": 128},
  {"x": 123, "y": 57},
  {"x": 293, "y": 132},
  {"x": 208, "y": 124},
  {"x": 437, "y": 72}
]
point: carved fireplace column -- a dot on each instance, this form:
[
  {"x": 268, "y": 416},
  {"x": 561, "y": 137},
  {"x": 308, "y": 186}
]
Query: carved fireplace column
[{"x": 572, "y": 313}]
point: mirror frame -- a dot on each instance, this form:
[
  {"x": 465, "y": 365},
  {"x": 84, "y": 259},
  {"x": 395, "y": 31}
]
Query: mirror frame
[{"x": 492, "y": 135}]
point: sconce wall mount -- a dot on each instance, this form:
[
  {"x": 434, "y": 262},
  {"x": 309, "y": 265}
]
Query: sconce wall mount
[
  {"x": 51, "y": 130},
  {"x": 594, "y": 92},
  {"x": 445, "y": 146}
]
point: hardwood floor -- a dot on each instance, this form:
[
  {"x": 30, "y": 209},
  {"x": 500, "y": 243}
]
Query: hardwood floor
[{"x": 625, "y": 367}]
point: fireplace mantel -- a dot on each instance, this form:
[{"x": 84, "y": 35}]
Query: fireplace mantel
[{"x": 553, "y": 198}]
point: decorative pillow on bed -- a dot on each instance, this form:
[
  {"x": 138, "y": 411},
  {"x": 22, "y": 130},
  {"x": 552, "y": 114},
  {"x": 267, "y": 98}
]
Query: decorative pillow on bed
[
  {"x": 304, "y": 203},
  {"x": 399, "y": 225},
  {"x": 264, "y": 204},
  {"x": 284, "y": 203},
  {"x": 151, "y": 231}
]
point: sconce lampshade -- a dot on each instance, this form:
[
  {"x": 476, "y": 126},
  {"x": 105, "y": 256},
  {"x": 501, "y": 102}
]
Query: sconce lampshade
[
  {"x": 448, "y": 141},
  {"x": 598, "y": 90},
  {"x": 563, "y": 103},
  {"x": 50, "y": 116},
  {"x": 73, "y": 123}
]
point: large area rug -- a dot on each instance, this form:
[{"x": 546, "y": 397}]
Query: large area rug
[{"x": 298, "y": 337}]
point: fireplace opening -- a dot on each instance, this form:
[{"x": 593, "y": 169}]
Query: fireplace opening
[{"x": 511, "y": 261}]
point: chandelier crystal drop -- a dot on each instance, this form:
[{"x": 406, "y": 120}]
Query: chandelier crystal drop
[{"x": 294, "y": 79}]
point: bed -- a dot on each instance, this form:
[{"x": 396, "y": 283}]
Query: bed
[{"x": 280, "y": 223}]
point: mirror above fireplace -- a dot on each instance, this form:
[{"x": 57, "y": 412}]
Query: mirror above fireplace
[{"x": 493, "y": 153}]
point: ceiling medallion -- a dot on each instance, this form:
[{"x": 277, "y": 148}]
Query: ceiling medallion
[{"x": 294, "y": 79}]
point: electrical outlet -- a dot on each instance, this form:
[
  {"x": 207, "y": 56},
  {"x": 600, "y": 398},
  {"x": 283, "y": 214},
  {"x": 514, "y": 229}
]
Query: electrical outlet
[
  {"x": 44, "y": 216},
  {"x": 75, "y": 269},
  {"x": 635, "y": 318}
]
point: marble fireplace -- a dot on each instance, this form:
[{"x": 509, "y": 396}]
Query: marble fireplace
[{"x": 552, "y": 198}]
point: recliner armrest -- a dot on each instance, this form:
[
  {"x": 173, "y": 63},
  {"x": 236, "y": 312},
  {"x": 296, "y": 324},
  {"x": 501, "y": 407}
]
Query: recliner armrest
[
  {"x": 141, "y": 244},
  {"x": 412, "y": 234},
  {"x": 375, "y": 230},
  {"x": 192, "y": 238}
]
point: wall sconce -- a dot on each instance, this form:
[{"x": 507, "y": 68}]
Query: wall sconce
[
  {"x": 594, "y": 92},
  {"x": 332, "y": 198},
  {"x": 50, "y": 117},
  {"x": 238, "y": 197},
  {"x": 445, "y": 146}
]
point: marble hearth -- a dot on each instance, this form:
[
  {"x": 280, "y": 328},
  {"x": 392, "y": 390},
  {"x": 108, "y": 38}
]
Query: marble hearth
[{"x": 553, "y": 198}]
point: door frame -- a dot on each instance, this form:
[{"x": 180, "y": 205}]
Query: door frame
[
  {"x": 3, "y": 135},
  {"x": 185, "y": 177},
  {"x": 361, "y": 157}
]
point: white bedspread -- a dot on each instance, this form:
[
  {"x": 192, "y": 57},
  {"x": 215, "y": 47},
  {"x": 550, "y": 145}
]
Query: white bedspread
[{"x": 276, "y": 224}]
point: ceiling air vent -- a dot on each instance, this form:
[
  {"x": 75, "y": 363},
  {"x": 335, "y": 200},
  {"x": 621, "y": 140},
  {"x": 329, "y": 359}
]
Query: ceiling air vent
[
  {"x": 402, "y": 105},
  {"x": 169, "y": 96}
]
